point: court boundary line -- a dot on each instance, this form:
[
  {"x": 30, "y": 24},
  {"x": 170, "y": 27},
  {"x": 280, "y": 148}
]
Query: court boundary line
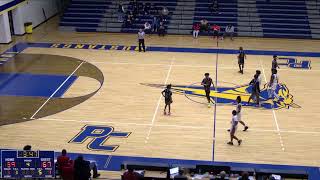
[
  {"x": 32, "y": 117},
  {"x": 173, "y": 126},
  {"x": 158, "y": 104},
  {"x": 273, "y": 112},
  {"x": 215, "y": 104},
  {"x": 196, "y": 66}
]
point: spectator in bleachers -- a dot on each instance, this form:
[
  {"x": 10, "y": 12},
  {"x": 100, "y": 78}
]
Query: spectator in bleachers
[
  {"x": 130, "y": 175},
  {"x": 216, "y": 31},
  {"x": 82, "y": 169},
  {"x": 155, "y": 23},
  {"x": 180, "y": 176},
  {"x": 121, "y": 13},
  {"x": 147, "y": 8},
  {"x": 196, "y": 29},
  {"x": 147, "y": 27},
  {"x": 161, "y": 29},
  {"x": 229, "y": 31},
  {"x": 129, "y": 19},
  {"x": 214, "y": 6},
  {"x": 164, "y": 13},
  {"x": 204, "y": 25}
]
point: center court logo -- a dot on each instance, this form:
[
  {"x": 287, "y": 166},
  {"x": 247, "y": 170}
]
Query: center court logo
[
  {"x": 98, "y": 136},
  {"x": 227, "y": 95}
]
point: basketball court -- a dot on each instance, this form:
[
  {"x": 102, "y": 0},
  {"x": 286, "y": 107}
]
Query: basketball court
[{"x": 86, "y": 88}]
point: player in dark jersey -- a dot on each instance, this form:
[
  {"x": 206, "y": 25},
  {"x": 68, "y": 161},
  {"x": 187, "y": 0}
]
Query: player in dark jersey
[
  {"x": 167, "y": 94},
  {"x": 275, "y": 64},
  {"x": 241, "y": 58},
  {"x": 206, "y": 82},
  {"x": 255, "y": 94}
]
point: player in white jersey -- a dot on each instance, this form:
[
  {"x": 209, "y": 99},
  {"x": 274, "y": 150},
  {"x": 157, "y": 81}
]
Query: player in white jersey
[
  {"x": 238, "y": 109},
  {"x": 274, "y": 80},
  {"x": 233, "y": 129}
]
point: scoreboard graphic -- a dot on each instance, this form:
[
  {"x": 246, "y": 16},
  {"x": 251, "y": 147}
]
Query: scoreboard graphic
[{"x": 27, "y": 164}]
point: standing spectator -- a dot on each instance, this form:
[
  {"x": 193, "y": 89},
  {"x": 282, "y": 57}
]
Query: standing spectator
[
  {"x": 216, "y": 31},
  {"x": 229, "y": 31},
  {"x": 147, "y": 8},
  {"x": 141, "y": 35},
  {"x": 147, "y": 27},
  {"x": 155, "y": 24},
  {"x": 161, "y": 29},
  {"x": 196, "y": 29}
]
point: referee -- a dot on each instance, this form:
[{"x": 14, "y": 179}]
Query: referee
[{"x": 141, "y": 35}]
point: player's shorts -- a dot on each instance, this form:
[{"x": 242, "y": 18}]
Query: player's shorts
[
  {"x": 207, "y": 92},
  {"x": 239, "y": 116},
  {"x": 233, "y": 129},
  {"x": 168, "y": 101},
  {"x": 241, "y": 61}
]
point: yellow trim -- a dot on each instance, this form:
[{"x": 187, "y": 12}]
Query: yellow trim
[{"x": 13, "y": 7}]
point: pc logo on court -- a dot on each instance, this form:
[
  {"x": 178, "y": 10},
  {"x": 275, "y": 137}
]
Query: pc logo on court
[{"x": 97, "y": 137}]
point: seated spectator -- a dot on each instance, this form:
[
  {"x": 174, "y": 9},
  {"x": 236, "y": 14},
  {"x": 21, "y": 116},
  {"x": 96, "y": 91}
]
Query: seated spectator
[
  {"x": 216, "y": 30},
  {"x": 129, "y": 19},
  {"x": 180, "y": 176},
  {"x": 130, "y": 175},
  {"x": 229, "y": 31},
  {"x": 164, "y": 13},
  {"x": 82, "y": 169},
  {"x": 27, "y": 148},
  {"x": 155, "y": 23},
  {"x": 244, "y": 176},
  {"x": 147, "y": 8},
  {"x": 65, "y": 166},
  {"x": 147, "y": 27},
  {"x": 120, "y": 13},
  {"x": 214, "y": 6},
  {"x": 196, "y": 29},
  {"x": 204, "y": 25},
  {"x": 222, "y": 176},
  {"x": 161, "y": 29}
]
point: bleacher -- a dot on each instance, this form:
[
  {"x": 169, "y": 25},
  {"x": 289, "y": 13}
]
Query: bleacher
[
  {"x": 284, "y": 18},
  {"x": 228, "y": 13},
  {"x": 86, "y": 16},
  {"x": 259, "y": 18}
]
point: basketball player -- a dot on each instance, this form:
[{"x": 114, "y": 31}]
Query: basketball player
[
  {"x": 258, "y": 72},
  {"x": 206, "y": 82},
  {"x": 238, "y": 109},
  {"x": 167, "y": 94},
  {"x": 274, "y": 80},
  {"x": 275, "y": 64},
  {"x": 241, "y": 58},
  {"x": 255, "y": 94},
  {"x": 233, "y": 129}
]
